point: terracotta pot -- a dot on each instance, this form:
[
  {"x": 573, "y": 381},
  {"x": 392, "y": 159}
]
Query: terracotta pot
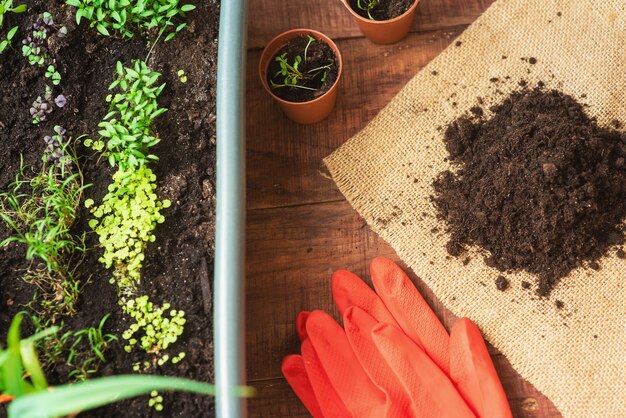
[
  {"x": 384, "y": 31},
  {"x": 301, "y": 112}
]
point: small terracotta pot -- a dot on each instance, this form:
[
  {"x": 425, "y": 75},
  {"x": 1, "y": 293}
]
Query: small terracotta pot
[
  {"x": 384, "y": 31},
  {"x": 301, "y": 112}
]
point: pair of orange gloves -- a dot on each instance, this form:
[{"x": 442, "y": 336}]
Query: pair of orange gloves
[{"x": 393, "y": 358}]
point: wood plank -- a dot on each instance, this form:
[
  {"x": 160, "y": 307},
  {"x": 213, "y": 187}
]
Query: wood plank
[
  {"x": 284, "y": 158},
  {"x": 276, "y": 399},
  {"x": 292, "y": 252},
  {"x": 268, "y": 18}
]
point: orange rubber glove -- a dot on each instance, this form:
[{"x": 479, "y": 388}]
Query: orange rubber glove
[{"x": 394, "y": 359}]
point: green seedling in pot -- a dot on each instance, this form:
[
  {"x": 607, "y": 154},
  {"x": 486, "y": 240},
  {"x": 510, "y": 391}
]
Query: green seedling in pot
[
  {"x": 6, "y": 6},
  {"x": 294, "y": 77},
  {"x": 368, "y": 7}
]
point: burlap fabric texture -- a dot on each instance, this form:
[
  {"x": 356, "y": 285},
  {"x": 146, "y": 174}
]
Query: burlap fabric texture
[{"x": 576, "y": 355}]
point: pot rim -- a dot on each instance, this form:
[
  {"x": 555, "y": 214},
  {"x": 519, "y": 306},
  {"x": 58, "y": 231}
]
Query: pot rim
[
  {"x": 379, "y": 22},
  {"x": 296, "y": 32}
]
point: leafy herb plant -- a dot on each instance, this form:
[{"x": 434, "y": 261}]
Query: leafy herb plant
[
  {"x": 82, "y": 350},
  {"x": 125, "y": 222},
  {"x": 40, "y": 210},
  {"x": 367, "y": 6},
  {"x": 291, "y": 74},
  {"x": 7, "y": 6},
  {"x": 125, "y": 16},
  {"x": 24, "y": 384},
  {"x": 127, "y": 128},
  {"x": 35, "y": 46},
  {"x": 159, "y": 325}
]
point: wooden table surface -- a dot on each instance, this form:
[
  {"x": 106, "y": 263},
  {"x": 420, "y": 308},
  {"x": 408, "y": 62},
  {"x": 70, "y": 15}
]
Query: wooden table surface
[{"x": 299, "y": 227}]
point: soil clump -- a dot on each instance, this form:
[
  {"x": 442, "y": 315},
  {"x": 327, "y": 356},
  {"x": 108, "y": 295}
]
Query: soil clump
[{"x": 538, "y": 185}]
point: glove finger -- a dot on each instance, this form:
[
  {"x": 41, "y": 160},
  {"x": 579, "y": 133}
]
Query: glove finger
[
  {"x": 331, "y": 404},
  {"x": 301, "y": 325},
  {"x": 358, "y": 326},
  {"x": 295, "y": 373},
  {"x": 354, "y": 387},
  {"x": 431, "y": 391},
  {"x": 472, "y": 370},
  {"x": 410, "y": 310},
  {"x": 350, "y": 290}
]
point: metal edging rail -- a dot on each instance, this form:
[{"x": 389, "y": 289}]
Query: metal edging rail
[{"x": 229, "y": 274}]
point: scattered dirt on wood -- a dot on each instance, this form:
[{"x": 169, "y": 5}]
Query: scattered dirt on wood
[
  {"x": 318, "y": 55},
  {"x": 385, "y": 10},
  {"x": 173, "y": 269},
  {"x": 539, "y": 186}
]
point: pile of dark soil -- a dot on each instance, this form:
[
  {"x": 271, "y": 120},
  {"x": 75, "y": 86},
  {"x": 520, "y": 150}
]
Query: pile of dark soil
[
  {"x": 318, "y": 55},
  {"x": 178, "y": 266},
  {"x": 539, "y": 185},
  {"x": 384, "y": 10}
]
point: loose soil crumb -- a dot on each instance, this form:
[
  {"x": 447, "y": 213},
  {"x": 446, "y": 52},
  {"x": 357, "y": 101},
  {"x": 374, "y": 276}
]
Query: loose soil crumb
[
  {"x": 458, "y": 43},
  {"x": 502, "y": 283},
  {"x": 559, "y": 304},
  {"x": 318, "y": 55},
  {"x": 539, "y": 186},
  {"x": 385, "y": 10},
  {"x": 525, "y": 284}
]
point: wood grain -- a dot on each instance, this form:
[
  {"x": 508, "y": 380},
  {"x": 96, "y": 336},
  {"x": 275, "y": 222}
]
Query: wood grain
[
  {"x": 268, "y": 18},
  {"x": 284, "y": 158},
  {"x": 299, "y": 227}
]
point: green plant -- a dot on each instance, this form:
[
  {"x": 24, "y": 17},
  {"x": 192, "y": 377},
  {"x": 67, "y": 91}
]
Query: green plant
[
  {"x": 35, "y": 46},
  {"x": 40, "y": 211},
  {"x": 156, "y": 330},
  {"x": 53, "y": 74},
  {"x": 127, "y": 127},
  {"x": 368, "y": 7},
  {"x": 122, "y": 16},
  {"x": 181, "y": 76},
  {"x": 293, "y": 77},
  {"x": 125, "y": 222},
  {"x": 20, "y": 370},
  {"x": 81, "y": 351},
  {"x": 6, "y": 6},
  {"x": 24, "y": 384},
  {"x": 70, "y": 399}
]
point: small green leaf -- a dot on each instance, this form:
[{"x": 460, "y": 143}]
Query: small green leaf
[
  {"x": 102, "y": 29},
  {"x": 187, "y": 7}
]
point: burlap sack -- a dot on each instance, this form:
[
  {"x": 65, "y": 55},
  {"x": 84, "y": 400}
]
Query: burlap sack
[{"x": 576, "y": 355}]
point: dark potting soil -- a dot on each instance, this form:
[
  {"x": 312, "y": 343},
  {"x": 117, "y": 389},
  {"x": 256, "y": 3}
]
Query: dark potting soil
[
  {"x": 318, "y": 55},
  {"x": 178, "y": 266},
  {"x": 384, "y": 10},
  {"x": 539, "y": 186}
]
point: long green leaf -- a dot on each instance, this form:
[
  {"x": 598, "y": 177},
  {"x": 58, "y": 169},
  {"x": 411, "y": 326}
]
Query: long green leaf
[{"x": 68, "y": 399}]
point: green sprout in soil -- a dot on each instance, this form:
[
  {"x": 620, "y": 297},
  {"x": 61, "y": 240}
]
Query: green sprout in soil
[
  {"x": 53, "y": 74},
  {"x": 181, "y": 76},
  {"x": 127, "y": 128},
  {"x": 35, "y": 46},
  {"x": 40, "y": 211},
  {"x": 41, "y": 108},
  {"x": 155, "y": 327},
  {"x": 125, "y": 223},
  {"x": 368, "y": 7},
  {"x": 81, "y": 351},
  {"x": 24, "y": 384},
  {"x": 7, "y": 6},
  {"x": 294, "y": 77},
  {"x": 156, "y": 401},
  {"x": 125, "y": 16},
  {"x": 126, "y": 218}
]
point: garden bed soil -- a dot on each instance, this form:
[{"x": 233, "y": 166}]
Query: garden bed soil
[
  {"x": 385, "y": 10},
  {"x": 539, "y": 186},
  {"x": 178, "y": 266},
  {"x": 318, "y": 55}
]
